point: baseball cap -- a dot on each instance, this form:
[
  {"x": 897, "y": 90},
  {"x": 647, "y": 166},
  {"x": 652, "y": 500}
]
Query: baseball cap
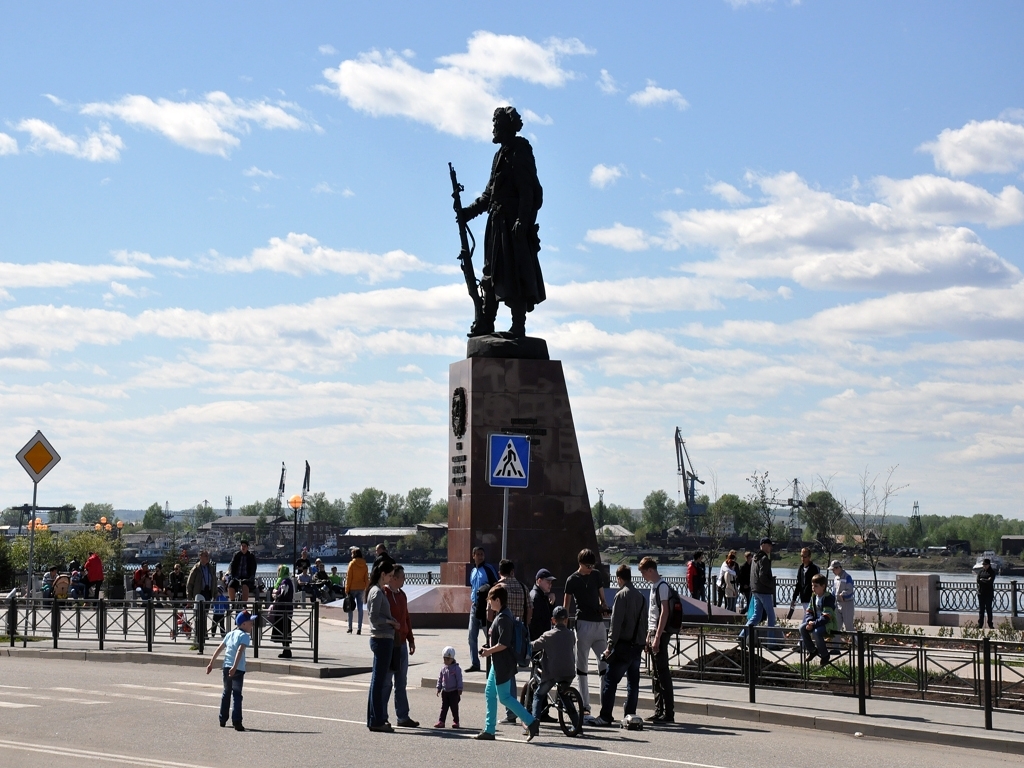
[
  {"x": 448, "y": 652},
  {"x": 544, "y": 573},
  {"x": 835, "y": 564},
  {"x": 767, "y": 540},
  {"x": 559, "y": 613},
  {"x": 243, "y": 617}
]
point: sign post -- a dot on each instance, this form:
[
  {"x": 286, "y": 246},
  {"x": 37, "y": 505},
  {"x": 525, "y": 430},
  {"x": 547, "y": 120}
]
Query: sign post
[
  {"x": 508, "y": 464},
  {"x": 38, "y": 457}
]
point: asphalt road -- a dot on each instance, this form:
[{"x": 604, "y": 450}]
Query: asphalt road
[{"x": 153, "y": 715}]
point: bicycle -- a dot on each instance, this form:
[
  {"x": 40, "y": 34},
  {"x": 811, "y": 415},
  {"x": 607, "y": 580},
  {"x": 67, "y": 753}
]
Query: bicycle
[{"x": 563, "y": 696}]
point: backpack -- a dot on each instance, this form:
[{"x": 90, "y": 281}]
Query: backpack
[
  {"x": 521, "y": 646},
  {"x": 674, "y": 606}
]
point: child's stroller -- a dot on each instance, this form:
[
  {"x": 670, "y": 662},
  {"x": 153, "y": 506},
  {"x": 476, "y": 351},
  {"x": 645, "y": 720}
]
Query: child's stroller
[{"x": 180, "y": 625}]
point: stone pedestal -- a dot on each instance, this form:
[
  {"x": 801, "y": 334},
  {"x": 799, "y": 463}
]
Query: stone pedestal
[
  {"x": 549, "y": 522},
  {"x": 917, "y": 598}
]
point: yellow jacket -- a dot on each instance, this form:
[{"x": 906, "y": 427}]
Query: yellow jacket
[{"x": 357, "y": 578}]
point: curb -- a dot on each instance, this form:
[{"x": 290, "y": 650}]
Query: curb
[
  {"x": 181, "y": 660},
  {"x": 1005, "y": 744}
]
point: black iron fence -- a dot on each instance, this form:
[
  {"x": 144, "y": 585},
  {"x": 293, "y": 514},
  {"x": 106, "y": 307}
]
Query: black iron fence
[
  {"x": 156, "y": 623},
  {"x": 985, "y": 673}
]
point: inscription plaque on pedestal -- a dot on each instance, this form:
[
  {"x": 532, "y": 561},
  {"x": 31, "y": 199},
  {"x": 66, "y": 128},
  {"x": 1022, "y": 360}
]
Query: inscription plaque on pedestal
[{"x": 550, "y": 521}]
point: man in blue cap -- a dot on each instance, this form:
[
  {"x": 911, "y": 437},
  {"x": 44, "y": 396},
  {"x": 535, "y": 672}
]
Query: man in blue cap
[{"x": 233, "y": 645}]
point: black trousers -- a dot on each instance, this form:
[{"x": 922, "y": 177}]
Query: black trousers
[
  {"x": 661, "y": 681},
  {"x": 984, "y": 605},
  {"x": 450, "y": 700}
]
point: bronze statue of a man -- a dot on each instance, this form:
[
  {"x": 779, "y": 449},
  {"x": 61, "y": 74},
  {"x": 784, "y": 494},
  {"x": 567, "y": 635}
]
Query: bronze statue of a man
[{"x": 512, "y": 198}]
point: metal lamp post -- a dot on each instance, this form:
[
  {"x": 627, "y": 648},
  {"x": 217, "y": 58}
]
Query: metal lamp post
[{"x": 295, "y": 502}]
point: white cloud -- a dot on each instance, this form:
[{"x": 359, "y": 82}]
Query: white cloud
[
  {"x": 990, "y": 146},
  {"x": 138, "y": 257},
  {"x": 103, "y": 146},
  {"x": 8, "y": 145},
  {"x": 620, "y": 236},
  {"x": 821, "y": 241},
  {"x": 459, "y": 96},
  {"x": 299, "y": 254},
  {"x": 602, "y": 175},
  {"x": 254, "y": 171},
  {"x": 327, "y": 50},
  {"x": 60, "y": 274},
  {"x": 653, "y": 96},
  {"x": 120, "y": 289},
  {"x": 743, "y": 3},
  {"x": 622, "y": 298},
  {"x": 936, "y": 198},
  {"x": 323, "y": 188},
  {"x": 607, "y": 83},
  {"x": 210, "y": 126},
  {"x": 728, "y": 193}
]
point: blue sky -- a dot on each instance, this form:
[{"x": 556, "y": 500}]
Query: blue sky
[{"x": 793, "y": 230}]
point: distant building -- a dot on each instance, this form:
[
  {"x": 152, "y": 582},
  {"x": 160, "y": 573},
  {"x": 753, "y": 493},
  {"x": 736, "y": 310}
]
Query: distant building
[
  {"x": 1012, "y": 545},
  {"x": 368, "y": 538},
  {"x": 614, "y": 532},
  {"x": 244, "y": 525}
]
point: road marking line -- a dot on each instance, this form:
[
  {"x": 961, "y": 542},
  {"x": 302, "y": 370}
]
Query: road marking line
[
  {"x": 326, "y": 688},
  {"x": 81, "y": 753},
  {"x": 18, "y": 687},
  {"x": 62, "y": 699},
  {"x": 609, "y": 753},
  {"x": 16, "y": 705}
]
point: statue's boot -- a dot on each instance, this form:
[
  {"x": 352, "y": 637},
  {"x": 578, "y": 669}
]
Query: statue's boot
[
  {"x": 484, "y": 325},
  {"x": 518, "y": 329}
]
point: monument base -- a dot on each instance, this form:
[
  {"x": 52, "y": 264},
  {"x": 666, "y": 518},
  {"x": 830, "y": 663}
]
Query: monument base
[
  {"x": 550, "y": 520},
  {"x": 510, "y": 347}
]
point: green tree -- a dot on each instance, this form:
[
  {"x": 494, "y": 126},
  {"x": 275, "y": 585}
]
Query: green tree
[
  {"x": 12, "y": 516},
  {"x": 154, "y": 519},
  {"x": 261, "y": 525},
  {"x": 417, "y": 504},
  {"x": 7, "y": 572},
  {"x": 49, "y": 549},
  {"x": 743, "y": 514},
  {"x": 659, "y": 511},
  {"x": 764, "y": 499},
  {"x": 616, "y": 514},
  {"x": 201, "y": 514},
  {"x": 81, "y": 544},
  {"x": 823, "y": 516},
  {"x": 394, "y": 510},
  {"x": 92, "y": 512},
  {"x": 367, "y": 509},
  {"x": 438, "y": 512}
]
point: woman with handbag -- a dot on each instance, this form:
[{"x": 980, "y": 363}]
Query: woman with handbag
[
  {"x": 281, "y": 612},
  {"x": 357, "y": 579}
]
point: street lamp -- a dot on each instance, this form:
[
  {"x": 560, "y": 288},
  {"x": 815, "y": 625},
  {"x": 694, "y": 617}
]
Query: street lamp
[
  {"x": 120, "y": 525},
  {"x": 295, "y": 502}
]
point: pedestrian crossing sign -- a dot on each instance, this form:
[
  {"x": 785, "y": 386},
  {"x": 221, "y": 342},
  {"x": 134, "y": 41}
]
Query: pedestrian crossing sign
[{"x": 508, "y": 461}]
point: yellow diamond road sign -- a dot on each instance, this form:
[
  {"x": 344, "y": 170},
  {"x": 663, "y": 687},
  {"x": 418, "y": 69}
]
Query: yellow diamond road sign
[{"x": 38, "y": 457}]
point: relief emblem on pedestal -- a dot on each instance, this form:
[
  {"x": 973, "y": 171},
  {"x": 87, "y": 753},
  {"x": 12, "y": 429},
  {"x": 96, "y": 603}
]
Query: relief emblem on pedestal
[{"x": 459, "y": 412}]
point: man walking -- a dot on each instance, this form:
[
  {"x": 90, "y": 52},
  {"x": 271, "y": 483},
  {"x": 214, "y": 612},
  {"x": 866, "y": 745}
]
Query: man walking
[
  {"x": 743, "y": 580},
  {"x": 986, "y": 592},
  {"x": 762, "y": 589},
  {"x": 405, "y": 646},
  {"x": 844, "y": 591},
  {"x": 657, "y": 642},
  {"x": 586, "y": 586},
  {"x": 625, "y": 648},
  {"x": 802, "y": 590},
  {"x": 542, "y": 602},
  {"x": 482, "y": 577}
]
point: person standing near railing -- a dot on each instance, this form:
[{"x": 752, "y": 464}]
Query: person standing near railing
[
  {"x": 743, "y": 581},
  {"x": 762, "y": 589},
  {"x": 727, "y": 581},
  {"x": 844, "y": 591},
  {"x": 986, "y": 592}
]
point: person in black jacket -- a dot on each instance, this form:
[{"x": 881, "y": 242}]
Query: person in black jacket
[
  {"x": 802, "y": 590},
  {"x": 743, "y": 578},
  {"x": 762, "y": 589},
  {"x": 243, "y": 572},
  {"x": 986, "y": 591}
]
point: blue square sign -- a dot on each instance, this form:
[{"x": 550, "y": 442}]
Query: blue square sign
[{"x": 508, "y": 461}]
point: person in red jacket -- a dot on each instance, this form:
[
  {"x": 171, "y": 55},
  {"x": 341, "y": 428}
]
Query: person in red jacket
[
  {"x": 93, "y": 575},
  {"x": 405, "y": 646}
]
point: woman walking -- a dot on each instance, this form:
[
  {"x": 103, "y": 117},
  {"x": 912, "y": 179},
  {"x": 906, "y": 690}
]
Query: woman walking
[
  {"x": 382, "y": 645},
  {"x": 727, "y": 581},
  {"x": 356, "y": 581},
  {"x": 281, "y": 612},
  {"x": 503, "y": 668}
]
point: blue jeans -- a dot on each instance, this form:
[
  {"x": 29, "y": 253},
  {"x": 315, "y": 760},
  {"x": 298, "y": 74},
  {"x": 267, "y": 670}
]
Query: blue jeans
[
  {"x": 398, "y": 681},
  {"x": 817, "y": 636},
  {"x": 622, "y": 662},
  {"x": 494, "y": 693},
  {"x": 474, "y": 637},
  {"x": 761, "y": 605},
  {"x": 540, "y": 697},
  {"x": 359, "y": 605},
  {"x": 377, "y": 703},
  {"x": 232, "y": 695}
]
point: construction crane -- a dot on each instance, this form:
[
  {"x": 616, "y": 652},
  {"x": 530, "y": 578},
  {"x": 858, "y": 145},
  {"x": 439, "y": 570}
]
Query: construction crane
[
  {"x": 687, "y": 483},
  {"x": 280, "y": 491}
]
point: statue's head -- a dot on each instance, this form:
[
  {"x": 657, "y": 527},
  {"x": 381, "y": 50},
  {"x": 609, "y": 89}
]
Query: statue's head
[{"x": 507, "y": 123}]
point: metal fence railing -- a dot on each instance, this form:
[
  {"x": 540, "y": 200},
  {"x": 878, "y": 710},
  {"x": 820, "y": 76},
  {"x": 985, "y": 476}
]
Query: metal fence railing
[
  {"x": 985, "y": 673},
  {"x": 155, "y": 623}
]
